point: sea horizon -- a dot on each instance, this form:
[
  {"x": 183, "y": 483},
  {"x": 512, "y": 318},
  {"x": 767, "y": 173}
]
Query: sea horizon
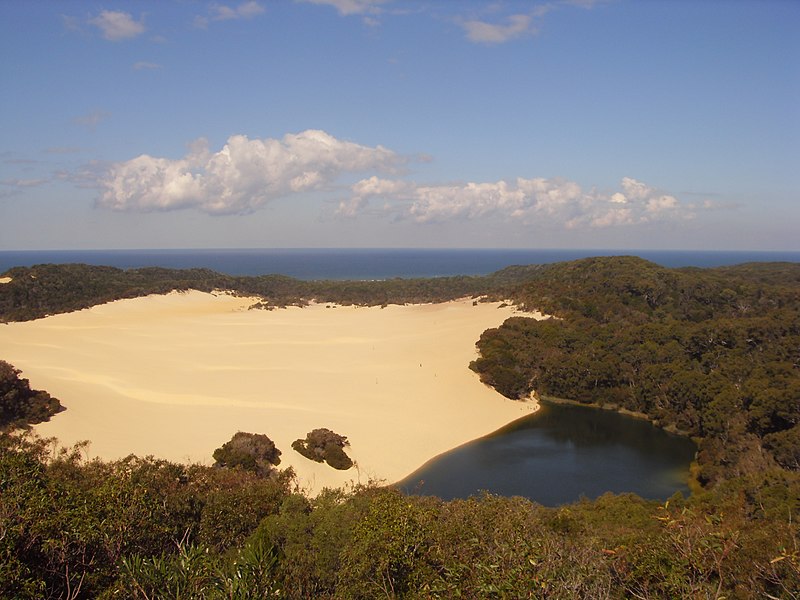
[{"x": 371, "y": 263}]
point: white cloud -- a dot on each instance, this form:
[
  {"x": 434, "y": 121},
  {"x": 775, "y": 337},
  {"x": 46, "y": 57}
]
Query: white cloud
[
  {"x": 223, "y": 12},
  {"x": 618, "y": 198},
  {"x": 531, "y": 201},
  {"x": 492, "y": 33},
  {"x": 661, "y": 204},
  {"x": 635, "y": 190},
  {"x": 371, "y": 188},
  {"x": 240, "y": 178},
  {"x": 351, "y": 7},
  {"x": 246, "y": 10},
  {"x": 117, "y": 25}
]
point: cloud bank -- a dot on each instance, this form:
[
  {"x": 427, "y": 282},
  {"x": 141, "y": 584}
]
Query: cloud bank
[
  {"x": 246, "y": 174},
  {"x": 241, "y": 177},
  {"x": 530, "y": 201}
]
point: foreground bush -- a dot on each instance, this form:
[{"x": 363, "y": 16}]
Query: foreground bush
[{"x": 144, "y": 528}]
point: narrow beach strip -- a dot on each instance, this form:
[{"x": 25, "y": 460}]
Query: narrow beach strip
[{"x": 176, "y": 375}]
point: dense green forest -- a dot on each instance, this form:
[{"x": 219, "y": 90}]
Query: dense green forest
[{"x": 712, "y": 353}]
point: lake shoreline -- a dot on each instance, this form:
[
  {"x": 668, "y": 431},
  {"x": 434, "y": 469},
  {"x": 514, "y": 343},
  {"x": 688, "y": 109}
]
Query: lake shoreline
[
  {"x": 560, "y": 454},
  {"x": 617, "y": 409}
]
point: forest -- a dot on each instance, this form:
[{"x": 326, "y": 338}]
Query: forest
[{"x": 710, "y": 353}]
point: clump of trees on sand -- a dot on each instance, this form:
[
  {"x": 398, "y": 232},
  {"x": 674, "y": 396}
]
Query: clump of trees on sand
[
  {"x": 324, "y": 445},
  {"x": 250, "y": 452},
  {"x": 714, "y": 353}
]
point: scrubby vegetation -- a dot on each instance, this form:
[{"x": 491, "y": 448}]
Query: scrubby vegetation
[
  {"x": 146, "y": 528},
  {"x": 41, "y": 290},
  {"x": 714, "y": 353},
  {"x": 250, "y": 451},
  {"x": 21, "y": 406},
  {"x": 324, "y": 445}
]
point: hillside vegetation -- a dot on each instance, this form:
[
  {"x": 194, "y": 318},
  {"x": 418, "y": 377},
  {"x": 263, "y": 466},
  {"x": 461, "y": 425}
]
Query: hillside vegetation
[
  {"x": 41, "y": 290},
  {"x": 713, "y": 353}
]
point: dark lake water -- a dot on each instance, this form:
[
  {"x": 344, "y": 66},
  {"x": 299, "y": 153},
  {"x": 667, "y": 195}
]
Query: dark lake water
[{"x": 560, "y": 454}]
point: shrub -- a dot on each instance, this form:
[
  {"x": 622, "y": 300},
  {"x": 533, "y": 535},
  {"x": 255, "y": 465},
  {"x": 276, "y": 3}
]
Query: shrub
[
  {"x": 325, "y": 445},
  {"x": 250, "y": 451},
  {"x": 21, "y": 406}
]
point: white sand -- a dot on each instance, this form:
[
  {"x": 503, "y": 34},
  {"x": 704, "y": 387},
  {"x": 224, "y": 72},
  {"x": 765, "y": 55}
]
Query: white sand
[
  {"x": 5, "y": 279},
  {"x": 175, "y": 376}
]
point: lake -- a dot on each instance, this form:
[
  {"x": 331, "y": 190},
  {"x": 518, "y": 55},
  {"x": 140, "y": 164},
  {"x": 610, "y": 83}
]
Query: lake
[{"x": 560, "y": 454}]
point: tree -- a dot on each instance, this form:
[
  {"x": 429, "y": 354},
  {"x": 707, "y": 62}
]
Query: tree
[
  {"x": 250, "y": 451},
  {"x": 19, "y": 404},
  {"x": 325, "y": 445}
]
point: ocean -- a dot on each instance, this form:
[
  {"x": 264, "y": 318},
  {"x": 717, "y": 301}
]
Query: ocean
[{"x": 366, "y": 264}]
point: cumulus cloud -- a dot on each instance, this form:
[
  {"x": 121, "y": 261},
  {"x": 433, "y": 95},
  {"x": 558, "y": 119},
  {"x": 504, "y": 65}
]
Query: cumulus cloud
[
  {"x": 241, "y": 177},
  {"x": 116, "y": 26},
  {"x": 537, "y": 200},
  {"x": 494, "y": 33}
]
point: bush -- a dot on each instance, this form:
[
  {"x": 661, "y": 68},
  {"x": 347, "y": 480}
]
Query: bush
[
  {"x": 250, "y": 451},
  {"x": 325, "y": 445},
  {"x": 21, "y": 406}
]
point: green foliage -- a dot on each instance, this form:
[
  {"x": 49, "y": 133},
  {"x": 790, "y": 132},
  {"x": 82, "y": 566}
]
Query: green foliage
[
  {"x": 250, "y": 451},
  {"x": 388, "y": 553},
  {"x": 21, "y": 406},
  {"x": 42, "y": 290},
  {"x": 711, "y": 353},
  {"x": 231, "y": 514},
  {"x": 324, "y": 445},
  {"x": 310, "y": 537},
  {"x": 142, "y": 528},
  {"x": 195, "y": 573},
  {"x": 66, "y": 524}
]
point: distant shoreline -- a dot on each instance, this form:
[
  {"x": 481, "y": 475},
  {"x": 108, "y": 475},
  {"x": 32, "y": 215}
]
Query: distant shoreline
[{"x": 371, "y": 263}]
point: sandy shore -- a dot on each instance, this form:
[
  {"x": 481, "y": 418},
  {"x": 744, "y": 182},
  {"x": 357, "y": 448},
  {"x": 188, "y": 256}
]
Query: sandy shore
[{"x": 175, "y": 376}]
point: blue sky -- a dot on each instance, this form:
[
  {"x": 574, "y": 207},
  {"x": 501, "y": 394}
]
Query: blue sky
[{"x": 387, "y": 123}]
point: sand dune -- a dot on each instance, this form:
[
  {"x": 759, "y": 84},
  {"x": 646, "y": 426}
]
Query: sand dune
[{"x": 177, "y": 375}]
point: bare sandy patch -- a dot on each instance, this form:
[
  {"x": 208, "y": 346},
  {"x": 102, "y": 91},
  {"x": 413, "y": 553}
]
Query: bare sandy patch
[{"x": 177, "y": 375}]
